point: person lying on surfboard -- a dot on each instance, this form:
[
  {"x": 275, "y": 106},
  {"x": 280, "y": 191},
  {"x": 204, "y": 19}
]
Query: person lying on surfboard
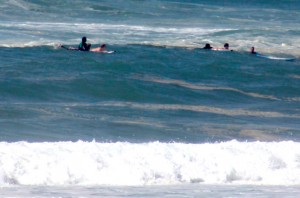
[
  {"x": 252, "y": 51},
  {"x": 225, "y": 48},
  {"x": 102, "y": 48}
]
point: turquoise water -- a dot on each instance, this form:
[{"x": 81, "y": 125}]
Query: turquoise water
[
  {"x": 160, "y": 111},
  {"x": 145, "y": 93}
]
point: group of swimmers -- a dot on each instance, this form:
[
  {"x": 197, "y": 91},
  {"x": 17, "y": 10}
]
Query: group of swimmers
[
  {"x": 225, "y": 48},
  {"x": 84, "y": 46},
  {"x": 207, "y": 46}
]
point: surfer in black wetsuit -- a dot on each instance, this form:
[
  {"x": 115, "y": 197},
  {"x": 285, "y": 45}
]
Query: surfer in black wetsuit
[
  {"x": 83, "y": 46},
  {"x": 207, "y": 46},
  {"x": 253, "y": 50},
  {"x": 226, "y": 46}
]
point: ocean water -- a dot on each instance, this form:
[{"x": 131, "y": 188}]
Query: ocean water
[{"x": 160, "y": 117}]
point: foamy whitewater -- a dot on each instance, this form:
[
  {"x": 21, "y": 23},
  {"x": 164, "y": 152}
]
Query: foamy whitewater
[
  {"x": 91, "y": 163},
  {"x": 160, "y": 117}
]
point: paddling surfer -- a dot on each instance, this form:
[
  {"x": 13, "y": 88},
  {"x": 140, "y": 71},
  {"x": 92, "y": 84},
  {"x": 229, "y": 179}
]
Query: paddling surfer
[
  {"x": 207, "y": 46},
  {"x": 83, "y": 46},
  {"x": 252, "y": 51},
  {"x": 225, "y": 48},
  {"x": 102, "y": 48}
]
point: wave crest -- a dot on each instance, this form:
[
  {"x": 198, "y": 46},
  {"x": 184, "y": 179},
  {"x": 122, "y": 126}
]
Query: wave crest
[{"x": 92, "y": 163}]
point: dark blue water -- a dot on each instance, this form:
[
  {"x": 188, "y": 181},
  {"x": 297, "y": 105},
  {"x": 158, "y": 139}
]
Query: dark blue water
[{"x": 145, "y": 93}]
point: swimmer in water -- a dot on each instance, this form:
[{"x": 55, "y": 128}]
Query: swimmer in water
[
  {"x": 207, "y": 46},
  {"x": 102, "y": 48}
]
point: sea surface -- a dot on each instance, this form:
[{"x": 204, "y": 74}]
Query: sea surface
[{"x": 160, "y": 117}]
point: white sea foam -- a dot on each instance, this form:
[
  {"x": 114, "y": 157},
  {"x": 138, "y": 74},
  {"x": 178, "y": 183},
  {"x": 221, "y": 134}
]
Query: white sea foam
[
  {"x": 20, "y": 4},
  {"x": 121, "y": 163},
  {"x": 295, "y": 76},
  {"x": 23, "y": 22},
  {"x": 48, "y": 33},
  {"x": 41, "y": 33}
]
